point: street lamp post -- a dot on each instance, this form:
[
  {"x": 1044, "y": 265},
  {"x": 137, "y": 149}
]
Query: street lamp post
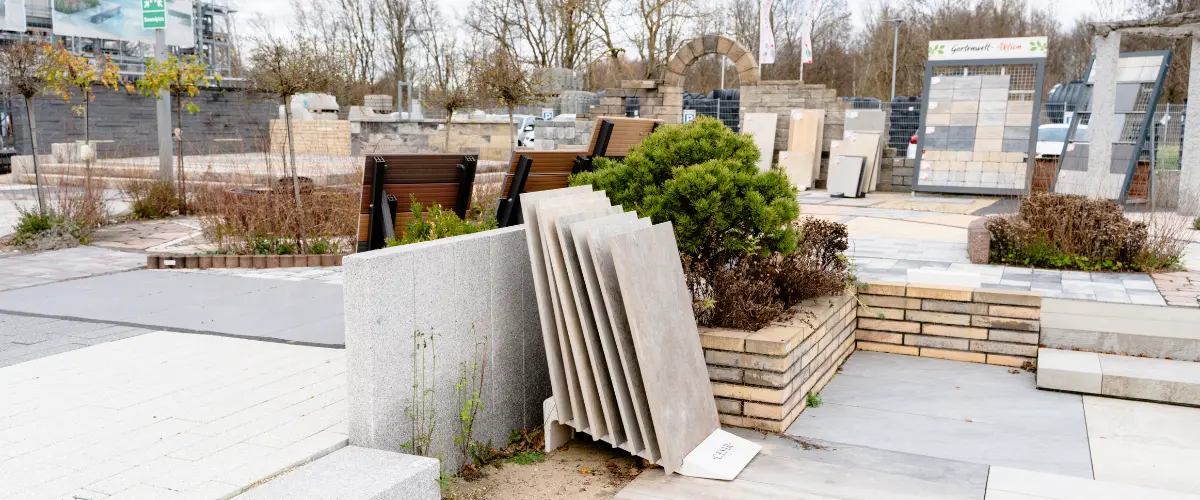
[{"x": 895, "y": 50}]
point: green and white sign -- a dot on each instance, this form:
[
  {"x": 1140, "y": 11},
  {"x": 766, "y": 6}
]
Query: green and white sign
[{"x": 154, "y": 14}]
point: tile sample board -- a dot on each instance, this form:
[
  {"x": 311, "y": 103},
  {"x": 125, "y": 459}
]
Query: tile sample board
[
  {"x": 659, "y": 307},
  {"x": 798, "y": 167},
  {"x": 1140, "y": 77},
  {"x": 980, "y": 116},
  {"x": 845, "y": 176},
  {"x": 867, "y": 145},
  {"x": 866, "y": 120},
  {"x": 761, "y": 126},
  {"x": 806, "y": 138}
]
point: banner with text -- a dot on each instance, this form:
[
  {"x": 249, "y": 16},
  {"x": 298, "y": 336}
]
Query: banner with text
[
  {"x": 122, "y": 20},
  {"x": 988, "y": 48},
  {"x": 766, "y": 38}
]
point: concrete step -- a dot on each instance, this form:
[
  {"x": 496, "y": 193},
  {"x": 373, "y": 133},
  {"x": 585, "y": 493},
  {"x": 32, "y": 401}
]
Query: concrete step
[
  {"x": 354, "y": 473},
  {"x": 1015, "y": 484},
  {"x": 1135, "y": 330},
  {"x": 1128, "y": 377}
]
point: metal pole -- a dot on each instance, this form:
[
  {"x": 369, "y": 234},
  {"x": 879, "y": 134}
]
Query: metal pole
[
  {"x": 165, "y": 171},
  {"x": 895, "y": 51}
]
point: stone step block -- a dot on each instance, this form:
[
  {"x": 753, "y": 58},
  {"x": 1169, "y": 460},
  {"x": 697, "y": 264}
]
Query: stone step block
[
  {"x": 355, "y": 473},
  {"x": 1129, "y": 377}
]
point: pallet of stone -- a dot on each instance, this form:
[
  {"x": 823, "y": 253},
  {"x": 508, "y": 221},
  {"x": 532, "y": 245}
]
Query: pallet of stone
[
  {"x": 625, "y": 361},
  {"x": 391, "y": 183}
]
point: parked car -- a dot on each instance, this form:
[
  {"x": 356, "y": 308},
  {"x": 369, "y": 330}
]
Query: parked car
[
  {"x": 1052, "y": 136},
  {"x": 565, "y": 117}
]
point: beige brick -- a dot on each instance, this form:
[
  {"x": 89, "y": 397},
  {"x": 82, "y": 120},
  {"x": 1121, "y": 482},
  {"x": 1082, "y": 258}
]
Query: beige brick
[
  {"x": 729, "y": 406},
  {"x": 973, "y": 357},
  {"x": 776, "y": 339},
  {"x": 747, "y": 393},
  {"x": 1015, "y": 312},
  {"x": 884, "y": 337},
  {"x": 759, "y": 410},
  {"x": 880, "y": 313},
  {"x": 1006, "y": 323},
  {"x": 1009, "y": 297},
  {"x": 1003, "y": 348},
  {"x": 938, "y": 317},
  {"x": 962, "y": 332},
  {"x": 890, "y": 302},
  {"x": 1011, "y": 336},
  {"x": 723, "y": 338},
  {"x": 882, "y": 288},
  {"x": 723, "y": 374},
  {"x": 894, "y": 349},
  {"x": 889, "y": 325},
  {"x": 940, "y": 293},
  {"x": 761, "y": 378},
  {"x": 1013, "y": 361},
  {"x": 938, "y": 342},
  {"x": 953, "y": 307}
]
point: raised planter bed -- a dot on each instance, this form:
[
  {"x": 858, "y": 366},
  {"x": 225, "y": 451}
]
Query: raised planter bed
[
  {"x": 761, "y": 379},
  {"x": 242, "y": 261}
]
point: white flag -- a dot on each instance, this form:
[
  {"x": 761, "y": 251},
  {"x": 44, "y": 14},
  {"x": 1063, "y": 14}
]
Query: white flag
[
  {"x": 766, "y": 39},
  {"x": 806, "y": 29}
]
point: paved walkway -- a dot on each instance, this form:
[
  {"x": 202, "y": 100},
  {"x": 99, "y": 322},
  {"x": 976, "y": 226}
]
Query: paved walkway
[
  {"x": 166, "y": 416},
  {"x": 24, "y": 338},
  {"x": 25, "y": 270},
  {"x": 308, "y": 312},
  {"x": 173, "y": 235}
]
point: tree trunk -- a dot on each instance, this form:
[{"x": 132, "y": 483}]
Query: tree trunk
[
  {"x": 37, "y": 171},
  {"x": 287, "y": 121},
  {"x": 512, "y": 127},
  {"x": 87, "y": 144},
  {"x": 448, "y": 118},
  {"x": 182, "y": 184}
]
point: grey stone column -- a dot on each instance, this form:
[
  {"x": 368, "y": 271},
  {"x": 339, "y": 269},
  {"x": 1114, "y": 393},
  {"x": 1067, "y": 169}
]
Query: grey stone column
[
  {"x": 1189, "y": 178},
  {"x": 1098, "y": 181}
]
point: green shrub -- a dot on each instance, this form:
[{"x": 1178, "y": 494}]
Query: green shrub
[
  {"x": 703, "y": 178},
  {"x": 1196, "y": 223},
  {"x": 437, "y": 223},
  {"x": 37, "y": 231},
  {"x": 152, "y": 199}
]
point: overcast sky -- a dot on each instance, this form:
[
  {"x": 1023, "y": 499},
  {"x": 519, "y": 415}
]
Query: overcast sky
[{"x": 278, "y": 12}]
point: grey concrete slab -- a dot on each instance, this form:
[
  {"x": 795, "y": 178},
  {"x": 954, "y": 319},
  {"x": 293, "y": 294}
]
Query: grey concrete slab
[
  {"x": 24, "y": 338},
  {"x": 877, "y": 402},
  {"x": 1163, "y": 380},
  {"x": 554, "y": 351},
  {"x": 1144, "y": 343},
  {"x": 583, "y": 323},
  {"x": 600, "y": 250},
  {"x": 1073, "y": 371},
  {"x": 598, "y": 323},
  {"x": 584, "y": 398},
  {"x": 355, "y": 473},
  {"x": 300, "y": 312},
  {"x": 659, "y": 308},
  {"x": 1127, "y": 94}
]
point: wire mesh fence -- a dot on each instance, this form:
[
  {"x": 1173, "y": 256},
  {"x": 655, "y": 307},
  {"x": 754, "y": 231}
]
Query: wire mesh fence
[{"x": 725, "y": 110}]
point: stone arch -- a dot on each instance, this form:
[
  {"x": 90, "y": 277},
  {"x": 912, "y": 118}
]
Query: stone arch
[{"x": 747, "y": 66}]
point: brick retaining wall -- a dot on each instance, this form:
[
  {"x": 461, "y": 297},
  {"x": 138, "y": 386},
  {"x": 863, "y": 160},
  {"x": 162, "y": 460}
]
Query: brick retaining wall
[{"x": 991, "y": 326}]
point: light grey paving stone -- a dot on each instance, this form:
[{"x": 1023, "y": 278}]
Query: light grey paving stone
[
  {"x": 355, "y": 473},
  {"x": 597, "y": 314},
  {"x": 1073, "y": 371},
  {"x": 561, "y": 387},
  {"x": 1146, "y": 342},
  {"x": 586, "y": 399},
  {"x": 583, "y": 323},
  {"x": 1007, "y": 483},
  {"x": 600, "y": 250},
  {"x": 1162, "y": 380},
  {"x": 667, "y": 342}
]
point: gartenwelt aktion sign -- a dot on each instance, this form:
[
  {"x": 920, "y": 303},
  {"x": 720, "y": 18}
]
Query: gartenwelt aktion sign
[{"x": 988, "y": 48}]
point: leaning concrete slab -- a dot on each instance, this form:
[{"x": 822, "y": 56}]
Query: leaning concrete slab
[
  {"x": 355, "y": 473},
  {"x": 581, "y": 323},
  {"x": 667, "y": 341},
  {"x": 600, "y": 249},
  {"x": 593, "y": 303},
  {"x": 554, "y": 354}
]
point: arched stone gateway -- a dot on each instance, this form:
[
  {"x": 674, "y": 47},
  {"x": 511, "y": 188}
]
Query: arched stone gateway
[{"x": 747, "y": 66}]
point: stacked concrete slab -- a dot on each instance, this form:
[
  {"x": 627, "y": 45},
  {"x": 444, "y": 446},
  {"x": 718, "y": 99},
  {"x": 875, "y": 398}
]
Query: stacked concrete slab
[{"x": 626, "y": 365}]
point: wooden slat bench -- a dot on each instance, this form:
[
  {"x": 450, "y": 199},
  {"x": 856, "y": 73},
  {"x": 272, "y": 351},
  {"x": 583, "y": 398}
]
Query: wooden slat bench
[{"x": 445, "y": 179}]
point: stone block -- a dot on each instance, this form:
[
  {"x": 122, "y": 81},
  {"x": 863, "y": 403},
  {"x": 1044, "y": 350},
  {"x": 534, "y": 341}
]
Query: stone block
[
  {"x": 355, "y": 473},
  {"x": 1015, "y": 312},
  {"x": 745, "y": 393},
  {"x": 953, "y": 307},
  {"x": 938, "y": 317},
  {"x": 698, "y": 47},
  {"x": 880, "y": 313},
  {"x": 1073, "y": 371},
  {"x": 889, "y": 325},
  {"x": 1003, "y": 348},
  {"x": 666, "y": 340},
  {"x": 964, "y": 332},
  {"x": 970, "y": 357},
  {"x": 1150, "y": 379},
  {"x": 729, "y": 406},
  {"x": 888, "y": 348},
  {"x": 1007, "y": 297},
  {"x": 723, "y": 339},
  {"x": 1011, "y": 336},
  {"x": 882, "y": 288},
  {"x": 939, "y": 293},
  {"x": 890, "y": 301},
  {"x": 882, "y": 337},
  {"x": 937, "y": 342},
  {"x": 979, "y": 241},
  {"x": 724, "y": 374},
  {"x": 1005, "y": 323}
]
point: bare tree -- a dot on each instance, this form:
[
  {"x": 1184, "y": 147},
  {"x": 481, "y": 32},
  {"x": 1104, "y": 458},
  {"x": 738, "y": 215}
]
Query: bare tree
[
  {"x": 659, "y": 32},
  {"x": 400, "y": 28},
  {"x": 22, "y": 65},
  {"x": 501, "y": 79},
  {"x": 450, "y": 99}
]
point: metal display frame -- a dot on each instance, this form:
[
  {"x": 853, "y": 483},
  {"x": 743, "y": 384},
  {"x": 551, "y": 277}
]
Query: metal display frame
[
  {"x": 1147, "y": 122},
  {"x": 1040, "y": 62}
]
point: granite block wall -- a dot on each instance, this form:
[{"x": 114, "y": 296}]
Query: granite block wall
[
  {"x": 472, "y": 293},
  {"x": 488, "y": 140},
  {"x": 123, "y": 125},
  {"x": 549, "y": 135},
  {"x": 313, "y": 137},
  {"x": 782, "y": 96}
]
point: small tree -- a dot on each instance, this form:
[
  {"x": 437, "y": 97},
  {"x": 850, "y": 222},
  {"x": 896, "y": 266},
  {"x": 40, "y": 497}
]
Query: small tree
[
  {"x": 182, "y": 78},
  {"x": 21, "y": 67},
  {"x": 67, "y": 71},
  {"x": 451, "y": 98},
  {"x": 501, "y": 79},
  {"x": 287, "y": 70}
]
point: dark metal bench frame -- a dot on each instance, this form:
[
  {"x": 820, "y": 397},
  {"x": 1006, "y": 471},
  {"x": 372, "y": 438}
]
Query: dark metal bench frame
[{"x": 381, "y": 214}]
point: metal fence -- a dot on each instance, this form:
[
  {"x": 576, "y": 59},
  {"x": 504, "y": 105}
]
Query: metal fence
[{"x": 725, "y": 110}]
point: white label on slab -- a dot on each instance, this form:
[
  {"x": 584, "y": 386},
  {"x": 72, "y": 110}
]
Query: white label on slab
[
  {"x": 930, "y": 130},
  {"x": 835, "y": 144},
  {"x": 926, "y": 164},
  {"x": 1070, "y": 147},
  {"x": 937, "y": 80},
  {"x": 932, "y": 105},
  {"x": 797, "y": 115},
  {"x": 169, "y": 262},
  {"x": 852, "y": 114},
  {"x": 720, "y": 456}
]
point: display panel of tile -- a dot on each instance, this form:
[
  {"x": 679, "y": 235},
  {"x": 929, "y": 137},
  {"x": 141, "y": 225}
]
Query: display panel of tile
[{"x": 1140, "y": 78}]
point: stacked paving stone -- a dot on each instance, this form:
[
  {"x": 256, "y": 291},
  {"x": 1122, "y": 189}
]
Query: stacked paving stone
[
  {"x": 313, "y": 137},
  {"x": 761, "y": 378},
  {"x": 997, "y": 327}
]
